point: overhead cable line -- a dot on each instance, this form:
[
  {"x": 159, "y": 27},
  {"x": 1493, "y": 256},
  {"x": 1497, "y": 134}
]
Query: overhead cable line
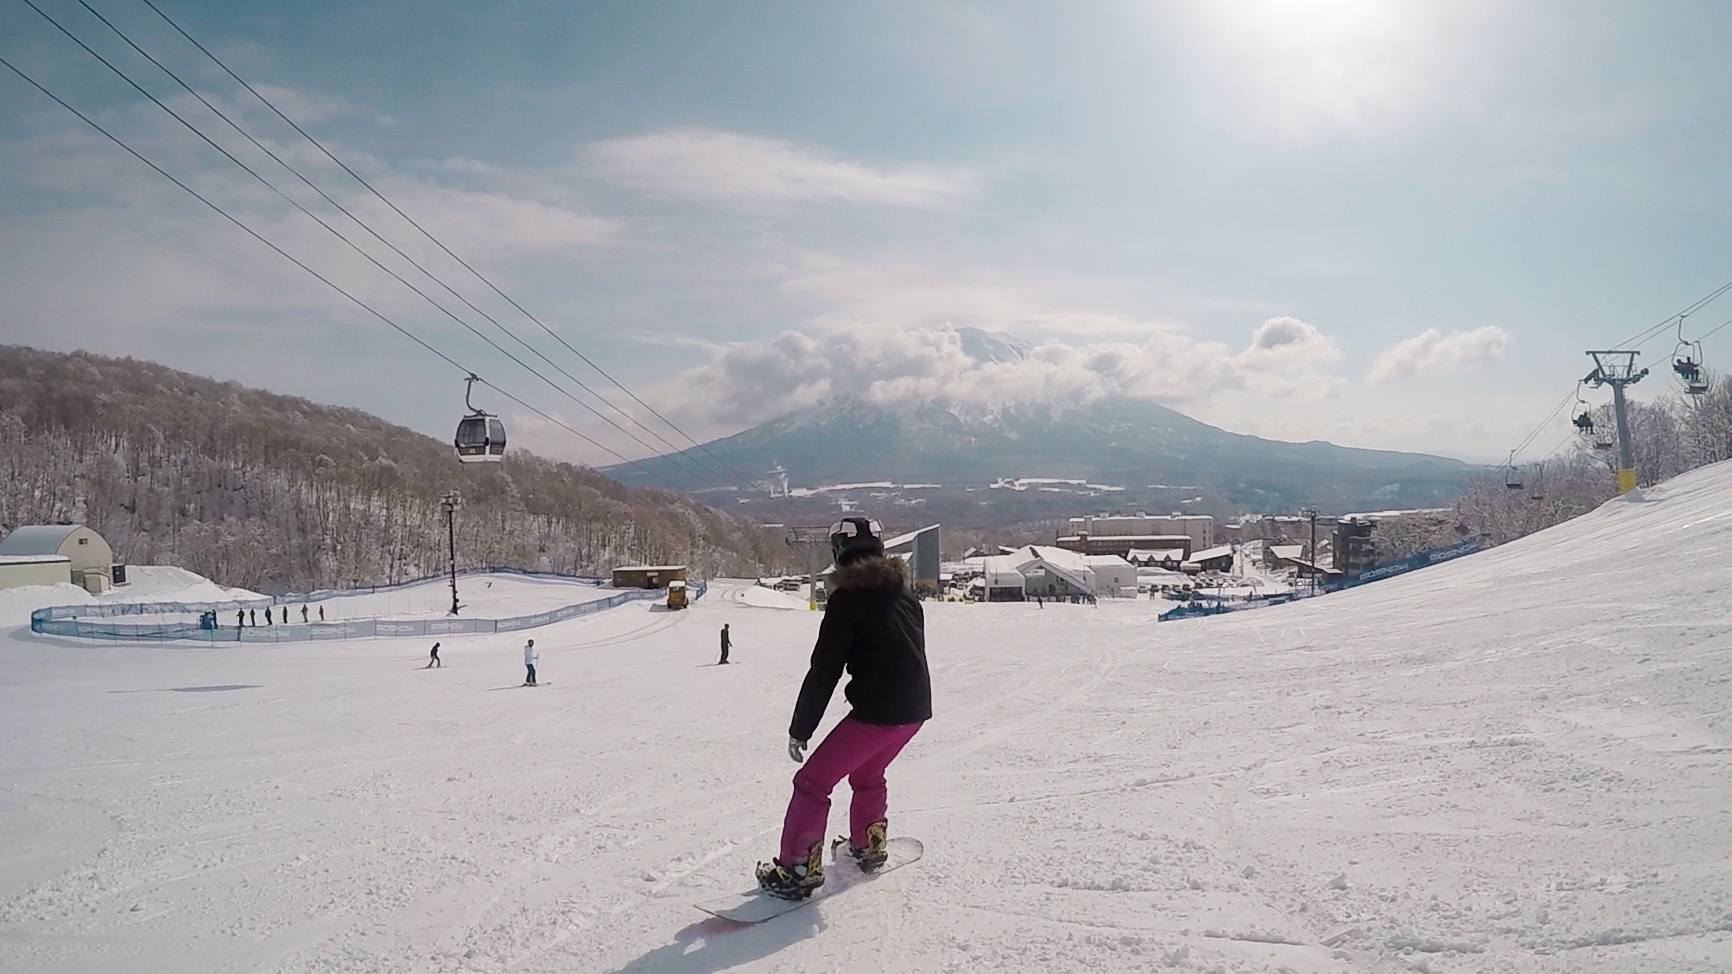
[
  {"x": 332, "y": 230},
  {"x": 1637, "y": 340},
  {"x": 465, "y": 264},
  {"x": 1649, "y": 334},
  {"x": 364, "y": 226},
  {"x": 296, "y": 261}
]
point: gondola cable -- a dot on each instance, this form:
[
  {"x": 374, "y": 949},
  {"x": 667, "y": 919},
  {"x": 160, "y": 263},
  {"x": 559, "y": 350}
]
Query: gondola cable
[
  {"x": 357, "y": 220},
  {"x": 739, "y": 477},
  {"x": 296, "y": 261},
  {"x": 339, "y": 235}
]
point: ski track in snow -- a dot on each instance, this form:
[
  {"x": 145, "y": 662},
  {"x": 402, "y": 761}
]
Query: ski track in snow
[{"x": 1515, "y": 762}]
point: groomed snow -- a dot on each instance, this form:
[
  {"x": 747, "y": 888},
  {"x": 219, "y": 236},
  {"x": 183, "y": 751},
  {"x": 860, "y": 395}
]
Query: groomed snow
[
  {"x": 1514, "y": 762},
  {"x": 489, "y": 596}
]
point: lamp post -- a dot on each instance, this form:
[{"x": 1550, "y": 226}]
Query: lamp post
[
  {"x": 1311, "y": 555},
  {"x": 448, "y": 504}
]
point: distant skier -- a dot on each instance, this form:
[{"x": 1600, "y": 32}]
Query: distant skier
[
  {"x": 875, "y": 629},
  {"x": 433, "y": 660},
  {"x": 529, "y": 658},
  {"x": 321, "y": 613},
  {"x": 725, "y": 645},
  {"x": 267, "y": 615},
  {"x": 254, "y": 615},
  {"x": 303, "y": 613},
  {"x": 240, "y": 618}
]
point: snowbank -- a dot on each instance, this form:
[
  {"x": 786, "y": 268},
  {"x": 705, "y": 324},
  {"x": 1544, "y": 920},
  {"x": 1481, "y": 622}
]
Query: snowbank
[{"x": 16, "y": 604}]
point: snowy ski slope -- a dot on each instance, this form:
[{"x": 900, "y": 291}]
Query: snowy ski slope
[{"x": 1516, "y": 762}]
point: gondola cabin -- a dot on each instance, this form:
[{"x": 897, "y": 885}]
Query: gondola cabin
[{"x": 480, "y": 439}]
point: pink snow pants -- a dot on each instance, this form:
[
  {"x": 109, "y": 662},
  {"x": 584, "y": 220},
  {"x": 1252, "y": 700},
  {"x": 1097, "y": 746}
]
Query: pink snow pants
[{"x": 853, "y": 750}]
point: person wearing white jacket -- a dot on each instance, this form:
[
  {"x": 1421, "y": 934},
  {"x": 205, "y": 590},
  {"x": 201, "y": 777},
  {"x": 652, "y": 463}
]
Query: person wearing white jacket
[{"x": 529, "y": 657}]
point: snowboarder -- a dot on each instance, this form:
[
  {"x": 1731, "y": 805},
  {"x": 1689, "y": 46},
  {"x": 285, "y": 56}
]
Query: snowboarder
[
  {"x": 434, "y": 659},
  {"x": 725, "y": 645},
  {"x": 529, "y": 657},
  {"x": 875, "y": 629}
]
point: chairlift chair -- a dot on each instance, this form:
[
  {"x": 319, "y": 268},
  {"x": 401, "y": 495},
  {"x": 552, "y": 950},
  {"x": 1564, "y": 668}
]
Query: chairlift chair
[
  {"x": 480, "y": 435},
  {"x": 1687, "y": 363}
]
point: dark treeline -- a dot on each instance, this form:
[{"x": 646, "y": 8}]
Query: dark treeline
[{"x": 267, "y": 491}]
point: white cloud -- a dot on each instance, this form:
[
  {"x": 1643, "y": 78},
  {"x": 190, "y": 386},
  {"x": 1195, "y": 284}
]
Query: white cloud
[
  {"x": 752, "y": 382},
  {"x": 742, "y": 170},
  {"x": 1433, "y": 351}
]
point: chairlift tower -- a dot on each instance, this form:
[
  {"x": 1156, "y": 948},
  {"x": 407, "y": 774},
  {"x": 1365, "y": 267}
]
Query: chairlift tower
[
  {"x": 1618, "y": 369},
  {"x": 808, "y": 540}
]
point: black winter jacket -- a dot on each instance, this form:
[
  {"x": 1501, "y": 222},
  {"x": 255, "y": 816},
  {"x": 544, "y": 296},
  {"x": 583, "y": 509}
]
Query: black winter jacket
[{"x": 874, "y": 628}]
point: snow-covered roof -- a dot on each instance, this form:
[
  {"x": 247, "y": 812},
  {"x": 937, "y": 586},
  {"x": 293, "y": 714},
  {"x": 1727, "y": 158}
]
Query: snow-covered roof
[
  {"x": 1105, "y": 561},
  {"x": 32, "y": 559},
  {"x": 37, "y": 539},
  {"x": 903, "y": 539},
  {"x": 1292, "y": 551},
  {"x": 1219, "y": 551},
  {"x": 1058, "y": 557}
]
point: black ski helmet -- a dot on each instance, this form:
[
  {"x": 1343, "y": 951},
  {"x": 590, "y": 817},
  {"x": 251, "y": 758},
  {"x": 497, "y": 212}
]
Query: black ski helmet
[{"x": 854, "y": 538}]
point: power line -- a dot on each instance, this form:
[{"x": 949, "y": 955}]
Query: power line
[
  {"x": 357, "y": 220},
  {"x": 465, "y": 264},
  {"x": 335, "y": 232},
  {"x": 291, "y": 258}
]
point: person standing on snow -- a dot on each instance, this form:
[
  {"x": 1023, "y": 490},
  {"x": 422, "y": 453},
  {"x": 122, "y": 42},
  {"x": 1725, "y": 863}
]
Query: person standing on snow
[
  {"x": 434, "y": 659},
  {"x": 874, "y": 628},
  {"x": 725, "y": 644},
  {"x": 529, "y": 658}
]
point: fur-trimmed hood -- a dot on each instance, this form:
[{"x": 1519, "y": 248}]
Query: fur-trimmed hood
[{"x": 871, "y": 572}]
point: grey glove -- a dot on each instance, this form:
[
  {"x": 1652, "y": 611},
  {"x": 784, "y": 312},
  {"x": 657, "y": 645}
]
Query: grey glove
[{"x": 796, "y": 749}]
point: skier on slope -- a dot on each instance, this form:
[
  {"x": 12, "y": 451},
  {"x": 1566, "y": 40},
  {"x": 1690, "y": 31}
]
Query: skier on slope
[
  {"x": 726, "y": 644},
  {"x": 874, "y": 628},
  {"x": 529, "y": 658}
]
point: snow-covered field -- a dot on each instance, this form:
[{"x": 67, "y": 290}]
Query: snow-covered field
[
  {"x": 489, "y": 596},
  {"x": 1516, "y": 762}
]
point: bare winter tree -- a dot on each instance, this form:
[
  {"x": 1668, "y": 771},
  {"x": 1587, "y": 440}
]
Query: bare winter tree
[{"x": 273, "y": 492}]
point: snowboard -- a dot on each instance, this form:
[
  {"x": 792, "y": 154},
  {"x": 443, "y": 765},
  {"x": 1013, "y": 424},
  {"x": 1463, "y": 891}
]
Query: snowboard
[{"x": 756, "y": 906}]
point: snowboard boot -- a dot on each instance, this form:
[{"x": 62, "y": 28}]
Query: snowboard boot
[
  {"x": 796, "y": 882},
  {"x": 871, "y": 857}
]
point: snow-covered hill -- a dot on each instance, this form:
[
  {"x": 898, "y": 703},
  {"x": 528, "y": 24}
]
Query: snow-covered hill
[
  {"x": 1516, "y": 762},
  {"x": 1131, "y": 444}
]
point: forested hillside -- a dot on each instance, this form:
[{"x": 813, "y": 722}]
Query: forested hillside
[{"x": 273, "y": 492}]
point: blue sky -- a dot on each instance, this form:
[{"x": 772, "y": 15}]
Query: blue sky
[{"x": 1388, "y": 225}]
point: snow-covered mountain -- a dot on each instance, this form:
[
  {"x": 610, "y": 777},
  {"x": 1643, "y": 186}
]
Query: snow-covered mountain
[{"x": 1128, "y": 443}]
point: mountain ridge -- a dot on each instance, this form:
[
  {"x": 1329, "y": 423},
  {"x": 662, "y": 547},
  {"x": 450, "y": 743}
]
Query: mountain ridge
[{"x": 1130, "y": 444}]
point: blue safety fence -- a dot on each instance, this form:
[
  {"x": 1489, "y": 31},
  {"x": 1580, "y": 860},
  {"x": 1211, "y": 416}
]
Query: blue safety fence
[
  {"x": 1424, "y": 559},
  {"x": 213, "y": 619}
]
